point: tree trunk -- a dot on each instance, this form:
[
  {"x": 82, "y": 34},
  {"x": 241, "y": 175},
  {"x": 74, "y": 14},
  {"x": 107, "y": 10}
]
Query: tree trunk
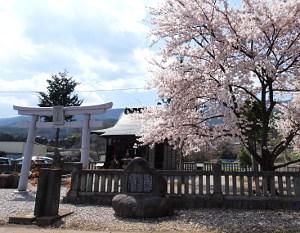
[
  {"x": 267, "y": 164},
  {"x": 254, "y": 164},
  {"x": 56, "y": 157},
  {"x": 57, "y": 137},
  {"x": 267, "y": 167}
]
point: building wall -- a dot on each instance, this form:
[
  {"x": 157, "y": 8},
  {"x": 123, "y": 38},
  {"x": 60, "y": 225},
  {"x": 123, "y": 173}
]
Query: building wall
[
  {"x": 170, "y": 158},
  {"x": 17, "y": 148},
  {"x": 161, "y": 156}
]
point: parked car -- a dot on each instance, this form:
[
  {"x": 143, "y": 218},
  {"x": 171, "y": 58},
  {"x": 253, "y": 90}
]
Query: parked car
[
  {"x": 36, "y": 160},
  {"x": 18, "y": 161},
  {"x": 5, "y": 161},
  {"x": 42, "y": 160}
]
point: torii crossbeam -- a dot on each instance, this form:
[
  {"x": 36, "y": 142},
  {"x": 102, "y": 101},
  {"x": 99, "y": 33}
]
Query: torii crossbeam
[{"x": 58, "y": 114}]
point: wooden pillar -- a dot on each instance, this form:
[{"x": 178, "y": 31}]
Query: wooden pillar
[
  {"x": 85, "y": 141},
  {"x": 166, "y": 157},
  {"x": 297, "y": 185},
  {"x": 217, "y": 172},
  {"x": 26, "y": 164},
  {"x": 181, "y": 165},
  {"x": 152, "y": 157}
]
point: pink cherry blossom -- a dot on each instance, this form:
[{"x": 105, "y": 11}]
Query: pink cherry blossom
[{"x": 214, "y": 57}]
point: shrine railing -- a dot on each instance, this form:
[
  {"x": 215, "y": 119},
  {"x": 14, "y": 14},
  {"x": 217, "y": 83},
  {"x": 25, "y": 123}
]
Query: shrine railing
[
  {"x": 190, "y": 185},
  {"x": 101, "y": 181},
  {"x": 251, "y": 184}
]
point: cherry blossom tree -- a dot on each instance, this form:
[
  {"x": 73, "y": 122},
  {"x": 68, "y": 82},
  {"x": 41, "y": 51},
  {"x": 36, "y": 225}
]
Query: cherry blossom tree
[{"x": 216, "y": 62}]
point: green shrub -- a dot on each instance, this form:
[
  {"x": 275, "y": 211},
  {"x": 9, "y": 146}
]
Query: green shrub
[{"x": 244, "y": 158}]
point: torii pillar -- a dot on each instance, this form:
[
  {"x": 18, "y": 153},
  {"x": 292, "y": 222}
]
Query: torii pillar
[
  {"x": 26, "y": 164},
  {"x": 58, "y": 113},
  {"x": 85, "y": 141}
]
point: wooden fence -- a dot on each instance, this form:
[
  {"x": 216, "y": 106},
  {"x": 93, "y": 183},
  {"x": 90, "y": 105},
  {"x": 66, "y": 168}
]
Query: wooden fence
[
  {"x": 192, "y": 166},
  {"x": 100, "y": 181},
  {"x": 267, "y": 184},
  {"x": 196, "y": 188}
]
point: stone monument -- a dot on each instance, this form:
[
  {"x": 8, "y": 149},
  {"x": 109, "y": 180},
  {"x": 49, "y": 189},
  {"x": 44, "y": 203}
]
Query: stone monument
[
  {"x": 46, "y": 209},
  {"x": 143, "y": 193}
]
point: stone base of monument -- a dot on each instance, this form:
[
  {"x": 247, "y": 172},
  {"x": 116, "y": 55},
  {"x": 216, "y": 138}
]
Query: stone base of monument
[
  {"x": 141, "y": 206},
  {"x": 30, "y": 219},
  {"x": 48, "y": 220},
  {"x": 24, "y": 219}
]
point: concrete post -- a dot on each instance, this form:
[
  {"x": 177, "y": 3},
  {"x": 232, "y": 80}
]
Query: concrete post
[
  {"x": 53, "y": 193},
  {"x": 26, "y": 164},
  {"x": 85, "y": 141},
  {"x": 48, "y": 193},
  {"x": 41, "y": 194}
]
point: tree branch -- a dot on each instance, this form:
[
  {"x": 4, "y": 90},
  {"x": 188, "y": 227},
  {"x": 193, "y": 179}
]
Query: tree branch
[
  {"x": 286, "y": 164},
  {"x": 247, "y": 91},
  {"x": 279, "y": 148}
]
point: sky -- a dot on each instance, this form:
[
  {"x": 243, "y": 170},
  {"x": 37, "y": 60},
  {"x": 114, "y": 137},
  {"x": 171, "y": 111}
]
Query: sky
[{"x": 104, "y": 45}]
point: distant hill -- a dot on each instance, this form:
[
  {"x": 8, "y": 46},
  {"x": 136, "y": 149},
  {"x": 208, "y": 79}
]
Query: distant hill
[
  {"x": 13, "y": 121},
  {"x": 15, "y": 125}
]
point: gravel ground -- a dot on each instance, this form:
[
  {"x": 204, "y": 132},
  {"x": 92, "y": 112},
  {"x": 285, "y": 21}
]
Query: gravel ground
[{"x": 200, "y": 220}]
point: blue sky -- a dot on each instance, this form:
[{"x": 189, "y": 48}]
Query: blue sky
[{"x": 103, "y": 44}]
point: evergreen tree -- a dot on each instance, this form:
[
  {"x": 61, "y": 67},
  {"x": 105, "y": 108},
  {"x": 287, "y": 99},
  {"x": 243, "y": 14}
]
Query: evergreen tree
[{"x": 60, "y": 92}]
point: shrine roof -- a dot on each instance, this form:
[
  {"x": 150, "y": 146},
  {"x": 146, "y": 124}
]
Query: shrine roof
[{"x": 126, "y": 125}]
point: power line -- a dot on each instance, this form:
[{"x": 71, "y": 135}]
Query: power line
[
  {"x": 118, "y": 89},
  {"x": 81, "y": 91}
]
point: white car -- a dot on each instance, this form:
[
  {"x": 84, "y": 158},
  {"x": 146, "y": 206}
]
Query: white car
[
  {"x": 42, "y": 160},
  {"x": 37, "y": 160}
]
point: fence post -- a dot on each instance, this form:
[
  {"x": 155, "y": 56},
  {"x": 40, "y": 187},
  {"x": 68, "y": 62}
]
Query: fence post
[
  {"x": 75, "y": 180},
  {"x": 217, "y": 172},
  {"x": 124, "y": 181},
  {"x": 297, "y": 185}
]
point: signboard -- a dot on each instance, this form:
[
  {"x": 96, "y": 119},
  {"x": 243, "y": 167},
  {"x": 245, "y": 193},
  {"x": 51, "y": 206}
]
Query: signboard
[{"x": 58, "y": 115}]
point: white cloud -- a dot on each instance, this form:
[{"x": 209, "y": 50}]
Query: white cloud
[
  {"x": 91, "y": 98},
  {"x": 36, "y": 83},
  {"x": 100, "y": 42},
  {"x": 120, "y": 15},
  {"x": 12, "y": 41},
  {"x": 8, "y": 100},
  {"x": 87, "y": 62},
  {"x": 143, "y": 57}
]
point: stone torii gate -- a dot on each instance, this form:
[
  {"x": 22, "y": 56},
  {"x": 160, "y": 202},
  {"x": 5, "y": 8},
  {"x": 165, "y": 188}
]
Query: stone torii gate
[{"x": 58, "y": 113}]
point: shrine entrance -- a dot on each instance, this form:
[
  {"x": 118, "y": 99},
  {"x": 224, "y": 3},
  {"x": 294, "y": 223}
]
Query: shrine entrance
[{"x": 58, "y": 114}]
